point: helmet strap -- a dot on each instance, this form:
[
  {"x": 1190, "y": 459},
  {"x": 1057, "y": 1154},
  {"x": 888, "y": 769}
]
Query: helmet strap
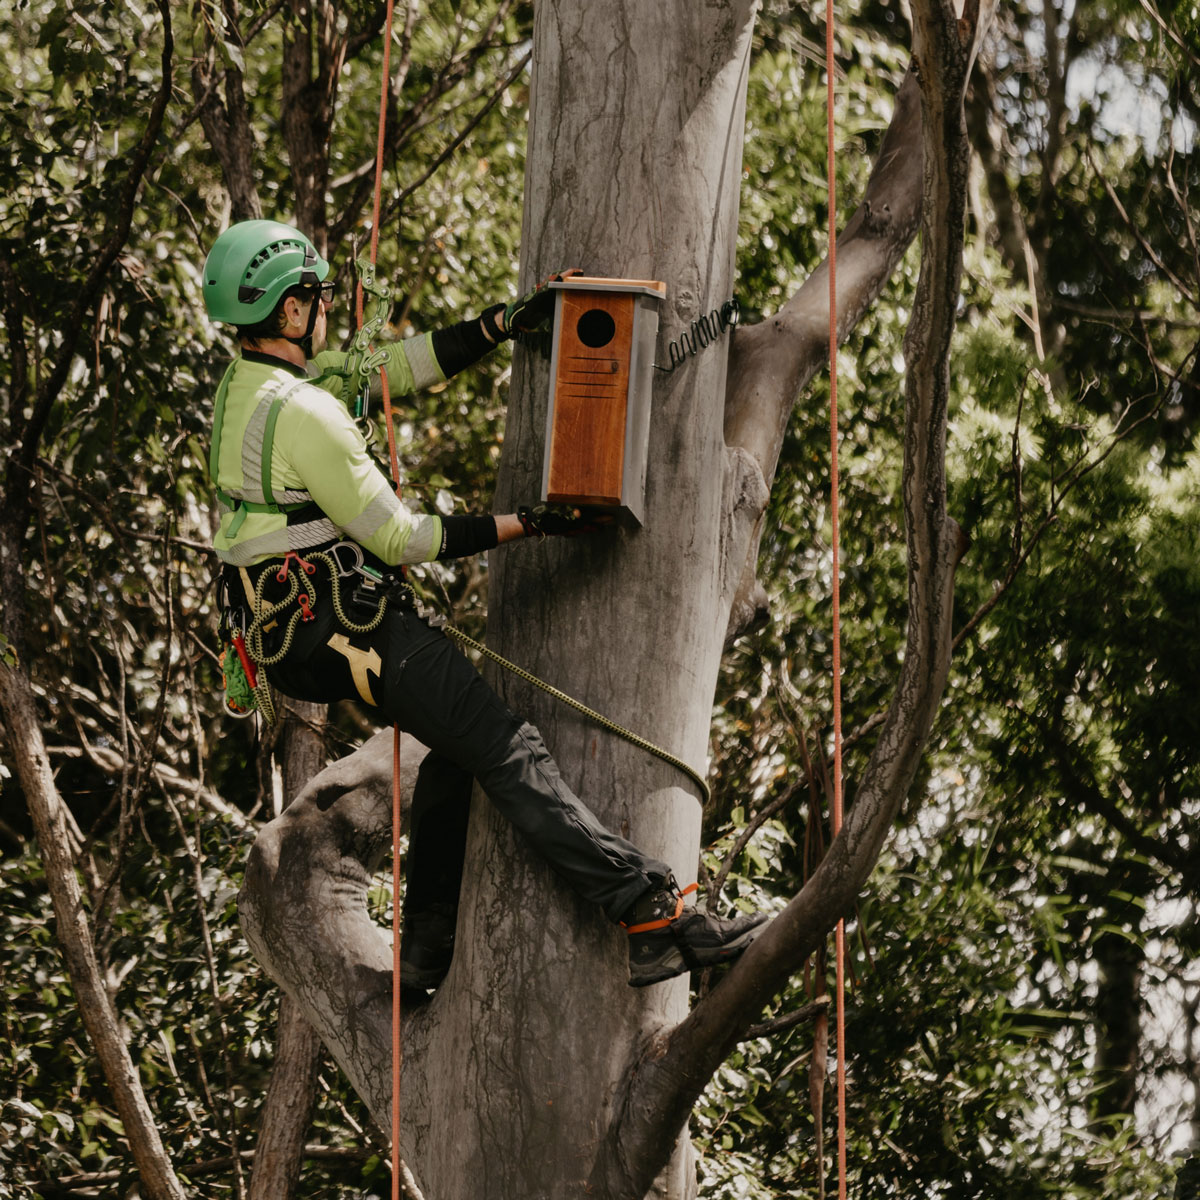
[{"x": 304, "y": 341}]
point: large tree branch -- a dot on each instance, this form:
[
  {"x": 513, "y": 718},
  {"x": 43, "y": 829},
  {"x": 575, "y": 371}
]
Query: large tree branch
[
  {"x": 678, "y": 1063},
  {"x": 773, "y": 362},
  {"x": 303, "y": 909}
]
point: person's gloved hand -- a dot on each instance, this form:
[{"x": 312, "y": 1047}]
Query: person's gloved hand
[
  {"x": 536, "y": 308},
  {"x": 561, "y": 520}
]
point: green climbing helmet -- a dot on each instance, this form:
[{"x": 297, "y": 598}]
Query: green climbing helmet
[{"x": 252, "y": 264}]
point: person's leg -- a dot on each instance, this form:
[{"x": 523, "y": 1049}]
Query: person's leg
[
  {"x": 435, "y": 693},
  {"x": 437, "y": 843},
  {"x": 437, "y": 836},
  {"x": 422, "y": 682}
]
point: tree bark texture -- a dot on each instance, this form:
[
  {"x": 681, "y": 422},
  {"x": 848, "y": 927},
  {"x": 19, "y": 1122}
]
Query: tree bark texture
[
  {"x": 634, "y": 171},
  {"x": 287, "y": 1110},
  {"x": 303, "y": 908},
  {"x": 676, "y": 1065}
]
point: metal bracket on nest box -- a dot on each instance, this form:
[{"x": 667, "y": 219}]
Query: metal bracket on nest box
[{"x": 601, "y": 377}]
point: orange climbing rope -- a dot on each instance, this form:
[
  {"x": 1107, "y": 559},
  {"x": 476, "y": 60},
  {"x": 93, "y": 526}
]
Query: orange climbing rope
[
  {"x": 840, "y": 937},
  {"x": 397, "y": 798}
]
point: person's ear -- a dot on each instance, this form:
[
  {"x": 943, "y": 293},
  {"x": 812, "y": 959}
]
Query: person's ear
[{"x": 293, "y": 310}]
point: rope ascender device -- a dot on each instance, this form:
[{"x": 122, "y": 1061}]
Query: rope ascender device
[{"x": 365, "y": 362}]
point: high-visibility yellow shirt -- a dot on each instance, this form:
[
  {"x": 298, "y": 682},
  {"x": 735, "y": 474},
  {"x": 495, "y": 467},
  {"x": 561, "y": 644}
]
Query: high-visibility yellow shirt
[{"x": 318, "y": 457}]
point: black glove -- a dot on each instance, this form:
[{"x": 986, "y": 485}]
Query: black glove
[
  {"x": 560, "y": 520},
  {"x": 535, "y": 309}
]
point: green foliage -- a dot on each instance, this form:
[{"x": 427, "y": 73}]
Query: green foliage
[{"x": 121, "y": 638}]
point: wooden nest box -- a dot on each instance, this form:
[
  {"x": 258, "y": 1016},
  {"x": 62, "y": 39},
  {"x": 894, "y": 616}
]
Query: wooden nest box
[{"x": 601, "y": 377}]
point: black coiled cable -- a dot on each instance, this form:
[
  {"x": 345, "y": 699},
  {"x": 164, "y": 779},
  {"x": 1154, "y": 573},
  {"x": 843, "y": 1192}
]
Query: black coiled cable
[{"x": 702, "y": 333}]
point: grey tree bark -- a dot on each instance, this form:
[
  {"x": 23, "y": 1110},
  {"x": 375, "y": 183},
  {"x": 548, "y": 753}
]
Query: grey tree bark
[
  {"x": 287, "y": 1110},
  {"x": 577, "y": 1084}
]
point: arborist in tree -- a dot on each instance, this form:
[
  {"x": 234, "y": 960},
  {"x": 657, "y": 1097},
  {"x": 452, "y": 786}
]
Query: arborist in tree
[{"x": 313, "y": 539}]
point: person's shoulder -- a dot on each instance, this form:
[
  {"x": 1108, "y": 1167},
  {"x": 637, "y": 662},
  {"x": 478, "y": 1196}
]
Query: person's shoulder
[{"x": 309, "y": 405}]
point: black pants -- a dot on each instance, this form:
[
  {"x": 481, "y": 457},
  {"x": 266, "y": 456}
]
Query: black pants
[{"x": 421, "y": 681}]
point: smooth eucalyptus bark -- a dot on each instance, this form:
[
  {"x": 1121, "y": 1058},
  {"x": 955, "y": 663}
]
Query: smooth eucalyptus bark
[
  {"x": 287, "y": 1110},
  {"x": 676, "y": 1066},
  {"x": 634, "y": 169}
]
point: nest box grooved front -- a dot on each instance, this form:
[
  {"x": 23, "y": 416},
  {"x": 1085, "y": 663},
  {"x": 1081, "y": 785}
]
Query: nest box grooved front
[{"x": 601, "y": 378}]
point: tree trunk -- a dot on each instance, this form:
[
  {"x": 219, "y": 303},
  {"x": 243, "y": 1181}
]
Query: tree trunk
[
  {"x": 634, "y": 169},
  {"x": 287, "y": 1110}
]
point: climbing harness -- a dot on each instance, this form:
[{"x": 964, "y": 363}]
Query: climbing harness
[
  {"x": 256, "y": 494},
  {"x": 344, "y": 561},
  {"x": 270, "y": 619}
]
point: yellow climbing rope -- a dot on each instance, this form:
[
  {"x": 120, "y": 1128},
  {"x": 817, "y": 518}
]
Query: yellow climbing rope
[{"x": 592, "y": 715}]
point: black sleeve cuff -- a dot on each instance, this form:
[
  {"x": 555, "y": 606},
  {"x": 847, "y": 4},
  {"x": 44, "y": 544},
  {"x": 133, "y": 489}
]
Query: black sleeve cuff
[
  {"x": 463, "y": 536},
  {"x": 461, "y": 345}
]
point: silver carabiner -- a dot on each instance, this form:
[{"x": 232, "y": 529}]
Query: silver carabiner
[{"x": 356, "y": 554}]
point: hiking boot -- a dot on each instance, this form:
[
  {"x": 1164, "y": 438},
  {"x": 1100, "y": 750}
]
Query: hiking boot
[
  {"x": 427, "y": 947},
  {"x": 666, "y": 939}
]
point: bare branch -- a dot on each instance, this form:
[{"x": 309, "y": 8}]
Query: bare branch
[
  {"x": 458, "y": 139},
  {"x": 1135, "y": 229}
]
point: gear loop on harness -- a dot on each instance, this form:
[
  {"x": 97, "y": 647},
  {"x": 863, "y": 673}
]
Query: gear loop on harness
[{"x": 302, "y": 592}]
